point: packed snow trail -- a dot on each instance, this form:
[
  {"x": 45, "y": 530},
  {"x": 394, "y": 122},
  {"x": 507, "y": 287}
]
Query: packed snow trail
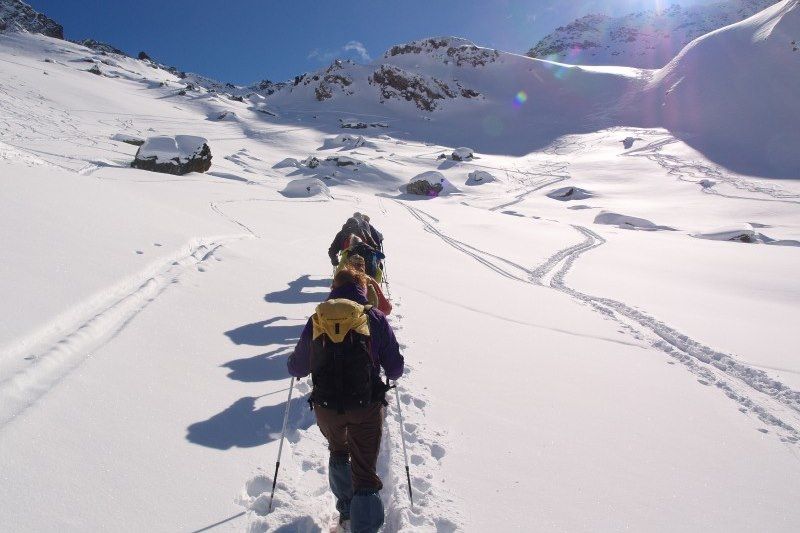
[
  {"x": 303, "y": 500},
  {"x": 773, "y": 402}
]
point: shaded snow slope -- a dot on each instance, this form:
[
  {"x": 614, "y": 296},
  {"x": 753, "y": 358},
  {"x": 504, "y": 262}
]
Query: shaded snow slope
[
  {"x": 733, "y": 93},
  {"x": 645, "y": 39}
]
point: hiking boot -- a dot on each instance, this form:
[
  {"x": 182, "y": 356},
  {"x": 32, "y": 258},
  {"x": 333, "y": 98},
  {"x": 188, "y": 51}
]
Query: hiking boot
[{"x": 344, "y": 525}]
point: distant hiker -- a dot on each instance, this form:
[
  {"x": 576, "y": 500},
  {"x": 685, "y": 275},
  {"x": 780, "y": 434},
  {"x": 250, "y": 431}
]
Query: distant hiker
[
  {"x": 375, "y": 294},
  {"x": 343, "y": 347},
  {"x": 353, "y": 226}
]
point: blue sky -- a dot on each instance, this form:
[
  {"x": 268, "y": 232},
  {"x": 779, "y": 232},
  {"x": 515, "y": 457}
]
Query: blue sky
[{"x": 243, "y": 41}]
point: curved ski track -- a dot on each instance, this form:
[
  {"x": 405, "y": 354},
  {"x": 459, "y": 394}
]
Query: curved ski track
[
  {"x": 771, "y": 401},
  {"x": 694, "y": 172}
]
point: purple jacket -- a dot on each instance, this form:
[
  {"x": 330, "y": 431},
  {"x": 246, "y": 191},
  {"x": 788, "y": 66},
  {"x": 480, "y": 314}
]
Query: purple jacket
[{"x": 383, "y": 346}]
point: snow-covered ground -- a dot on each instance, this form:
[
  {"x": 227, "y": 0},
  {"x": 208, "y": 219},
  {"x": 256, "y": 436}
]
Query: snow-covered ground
[{"x": 563, "y": 373}]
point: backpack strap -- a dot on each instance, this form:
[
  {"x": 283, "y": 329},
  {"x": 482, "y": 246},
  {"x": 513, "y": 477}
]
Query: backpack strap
[{"x": 338, "y": 362}]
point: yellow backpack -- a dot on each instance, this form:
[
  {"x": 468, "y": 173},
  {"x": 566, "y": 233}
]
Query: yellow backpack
[{"x": 342, "y": 369}]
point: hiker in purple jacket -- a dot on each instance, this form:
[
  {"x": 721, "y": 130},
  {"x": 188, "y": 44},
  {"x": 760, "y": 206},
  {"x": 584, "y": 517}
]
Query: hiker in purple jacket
[{"x": 354, "y": 435}]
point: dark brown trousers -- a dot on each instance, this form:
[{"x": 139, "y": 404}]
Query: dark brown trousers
[{"x": 355, "y": 433}]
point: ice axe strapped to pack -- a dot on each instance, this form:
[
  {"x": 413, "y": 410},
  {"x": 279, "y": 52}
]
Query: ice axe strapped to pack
[{"x": 342, "y": 369}]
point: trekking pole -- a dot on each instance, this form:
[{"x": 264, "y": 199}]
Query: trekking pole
[
  {"x": 280, "y": 447},
  {"x": 386, "y": 280},
  {"x": 403, "y": 439}
]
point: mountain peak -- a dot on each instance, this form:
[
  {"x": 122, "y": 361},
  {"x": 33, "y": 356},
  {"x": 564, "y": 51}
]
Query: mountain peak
[{"x": 16, "y": 15}]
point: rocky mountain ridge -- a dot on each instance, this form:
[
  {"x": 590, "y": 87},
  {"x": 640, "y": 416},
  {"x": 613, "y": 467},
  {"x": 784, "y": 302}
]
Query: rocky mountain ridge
[{"x": 16, "y": 15}]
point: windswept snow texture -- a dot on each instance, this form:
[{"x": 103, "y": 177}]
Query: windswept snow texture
[{"x": 562, "y": 374}]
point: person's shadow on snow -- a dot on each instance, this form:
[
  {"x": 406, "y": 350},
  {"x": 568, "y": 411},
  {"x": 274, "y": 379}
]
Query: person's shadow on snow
[
  {"x": 295, "y": 293},
  {"x": 269, "y": 366},
  {"x": 242, "y": 425},
  {"x": 265, "y": 333}
]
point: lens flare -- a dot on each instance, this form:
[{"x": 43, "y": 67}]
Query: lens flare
[{"x": 520, "y": 98}]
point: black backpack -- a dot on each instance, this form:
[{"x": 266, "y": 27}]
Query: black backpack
[{"x": 343, "y": 373}]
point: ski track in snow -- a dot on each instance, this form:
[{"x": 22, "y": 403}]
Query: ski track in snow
[
  {"x": 772, "y": 402},
  {"x": 303, "y": 501},
  {"x": 63, "y": 345},
  {"x": 695, "y": 171}
]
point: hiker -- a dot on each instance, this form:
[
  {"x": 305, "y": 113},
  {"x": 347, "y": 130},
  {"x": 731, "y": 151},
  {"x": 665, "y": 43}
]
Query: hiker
[
  {"x": 375, "y": 295},
  {"x": 373, "y": 258},
  {"x": 343, "y": 346},
  {"x": 376, "y": 235},
  {"x": 353, "y": 226}
]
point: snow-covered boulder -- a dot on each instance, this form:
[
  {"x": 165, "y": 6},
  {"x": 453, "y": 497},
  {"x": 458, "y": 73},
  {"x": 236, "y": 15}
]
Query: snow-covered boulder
[
  {"x": 351, "y": 141},
  {"x": 739, "y": 233},
  {"x": 423, "y": 188},
  {"x": 462, "y": 154},
  {"x": 174, "y": 155},
  {"x": 354, "y": 125},
  {"x": 311, "y": 162},
  {"x": 431, "y": 183},
  {"x": 627, "y": 222},
  {"x": 306, "y": 188},
  {"x": 343, "y": 161},
  {"x": 565, "y": 194},
  {"x": 225, "y": 116},
  {"x": 128, "y": 138},
  {"x": 289, "y": 162},
  {"x": 479, "y": 177}
]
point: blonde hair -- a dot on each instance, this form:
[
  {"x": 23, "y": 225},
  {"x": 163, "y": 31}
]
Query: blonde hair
[{"x": 357, "y": 263}]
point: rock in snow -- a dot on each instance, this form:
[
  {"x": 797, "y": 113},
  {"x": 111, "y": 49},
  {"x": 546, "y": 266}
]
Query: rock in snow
[
  {"x": 174, "y": 155},
  {"x": 565, "y": 194},
  {"x": 479, "y": 177},
  {"x": 431, "y": 183},
  {"x": 462, "y": 154}
]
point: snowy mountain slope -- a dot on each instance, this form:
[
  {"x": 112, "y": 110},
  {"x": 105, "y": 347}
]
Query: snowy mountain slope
[
  {"x": 734, "y": 93},
  {"x": 600, "y": 376},
  {"x": 16, "y": 15},
  {"x": 645, "y": 39}
]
